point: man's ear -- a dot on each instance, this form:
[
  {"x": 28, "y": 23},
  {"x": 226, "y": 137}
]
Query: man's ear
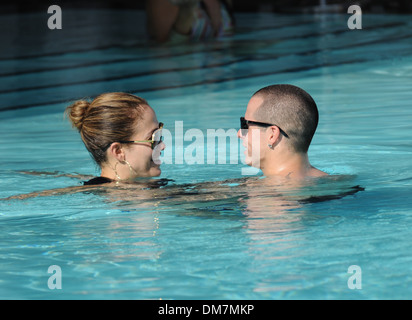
[
  {"x": 274, "y": 135},
  {"x": 116, "y": 151}
]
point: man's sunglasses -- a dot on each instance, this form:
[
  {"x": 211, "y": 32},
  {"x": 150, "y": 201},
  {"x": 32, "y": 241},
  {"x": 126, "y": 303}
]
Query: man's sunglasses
[
  {"x": 157, "y": 138},
  {"x": 244, "y": 125}
]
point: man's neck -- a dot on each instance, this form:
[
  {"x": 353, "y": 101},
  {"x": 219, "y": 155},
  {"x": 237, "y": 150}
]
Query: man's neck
[{"x": 291, "y": 165}]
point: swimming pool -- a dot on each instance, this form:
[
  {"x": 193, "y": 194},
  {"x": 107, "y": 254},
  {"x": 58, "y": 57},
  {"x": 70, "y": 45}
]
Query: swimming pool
[{"x": 250, "y": 243}]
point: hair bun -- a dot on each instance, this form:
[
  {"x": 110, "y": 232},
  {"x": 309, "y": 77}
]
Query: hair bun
[{"x": 76, "y": 113}]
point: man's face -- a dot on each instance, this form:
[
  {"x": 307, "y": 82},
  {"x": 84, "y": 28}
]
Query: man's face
[{"x": 253, "y": 138}]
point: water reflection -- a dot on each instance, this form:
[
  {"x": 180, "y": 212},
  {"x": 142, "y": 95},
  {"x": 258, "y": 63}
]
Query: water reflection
[
  {"x": 152, "y": 237},
  {"x": 270, "y": 210}
]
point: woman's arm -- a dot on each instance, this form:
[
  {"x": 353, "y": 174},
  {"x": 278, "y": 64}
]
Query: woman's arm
[
  {"x": 57, "y": 174},
  {"x": 161, "y": 16},
  {"x": 53, "y": 192},
  {"x": 215, "y": 15}
]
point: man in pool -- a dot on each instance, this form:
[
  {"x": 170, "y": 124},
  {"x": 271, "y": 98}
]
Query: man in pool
[{"x": 277, "y": 129}]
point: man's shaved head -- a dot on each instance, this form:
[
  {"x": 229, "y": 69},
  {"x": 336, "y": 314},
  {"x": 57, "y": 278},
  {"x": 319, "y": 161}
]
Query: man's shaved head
[{"x": 293, "y": 110}]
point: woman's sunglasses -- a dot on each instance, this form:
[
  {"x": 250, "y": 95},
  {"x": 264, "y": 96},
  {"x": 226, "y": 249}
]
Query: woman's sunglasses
[
  {"x": 244, "y": 126},
  {"x": 157, "y": 138}
]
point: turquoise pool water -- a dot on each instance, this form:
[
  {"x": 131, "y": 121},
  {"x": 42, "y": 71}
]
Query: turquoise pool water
[{"x": 212, "y": 241}]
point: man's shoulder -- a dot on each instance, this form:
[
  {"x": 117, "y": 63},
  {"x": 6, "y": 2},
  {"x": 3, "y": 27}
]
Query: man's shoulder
[{"x": 314, "y": 172}]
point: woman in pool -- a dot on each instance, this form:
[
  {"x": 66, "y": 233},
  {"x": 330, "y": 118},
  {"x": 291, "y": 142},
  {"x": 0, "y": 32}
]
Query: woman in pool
[{"x": 122, "y": 134}]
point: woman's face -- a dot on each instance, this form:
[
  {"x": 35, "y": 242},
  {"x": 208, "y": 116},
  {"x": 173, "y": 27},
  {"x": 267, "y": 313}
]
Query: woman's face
[{"x": 144, "y": 161}]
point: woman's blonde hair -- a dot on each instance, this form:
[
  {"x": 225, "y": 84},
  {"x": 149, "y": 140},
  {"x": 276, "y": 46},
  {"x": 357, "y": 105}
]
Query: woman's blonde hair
[{"x": 110, "y": 117}]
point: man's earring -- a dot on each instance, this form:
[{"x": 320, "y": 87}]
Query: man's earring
[{"x": 270, "y": 146}]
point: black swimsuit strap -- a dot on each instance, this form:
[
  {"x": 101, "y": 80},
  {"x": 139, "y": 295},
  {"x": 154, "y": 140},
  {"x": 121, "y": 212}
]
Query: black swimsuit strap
[{"x": 97, "y": 181}]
